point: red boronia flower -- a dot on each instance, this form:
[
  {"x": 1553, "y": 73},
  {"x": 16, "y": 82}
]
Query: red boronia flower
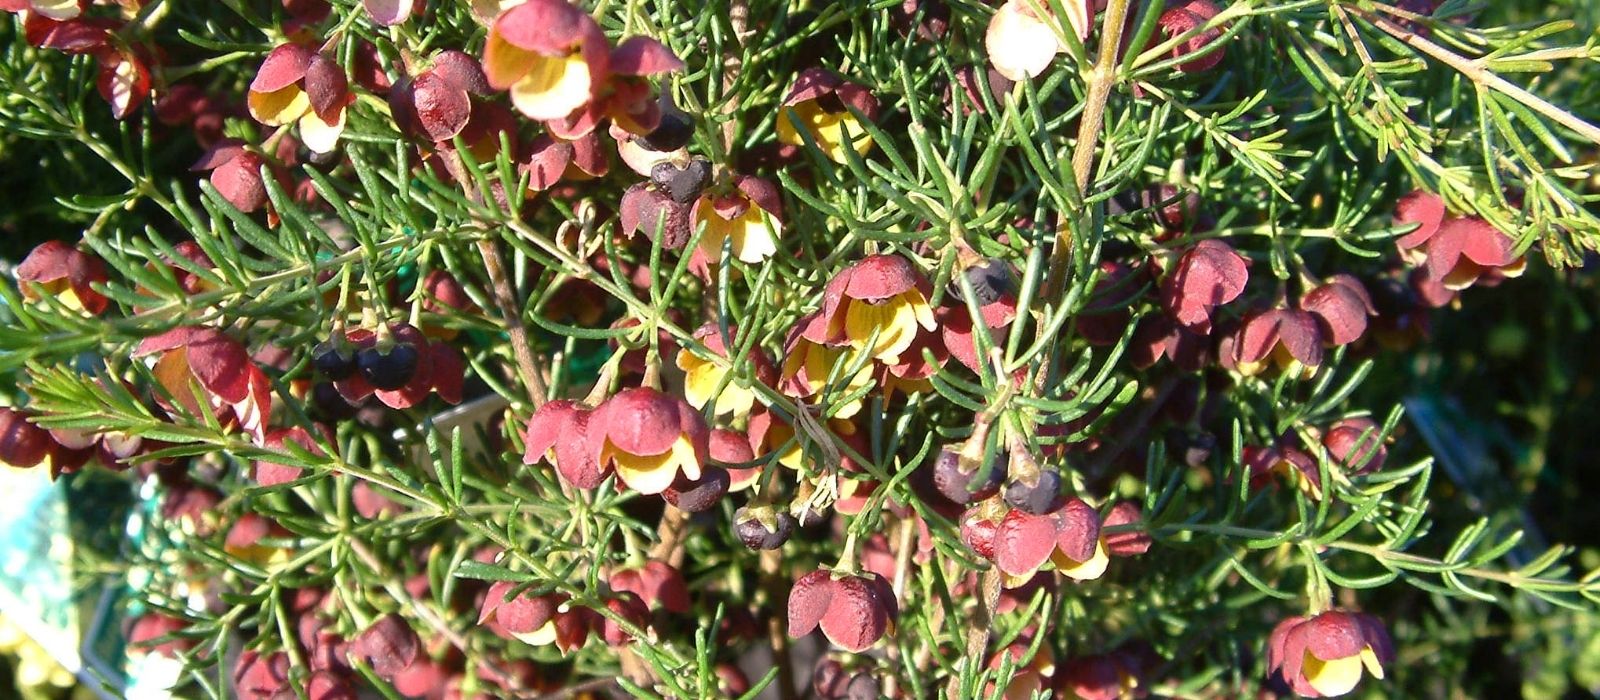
[
  {"x": 23, "y": 444},
  {"x": 854, "y": 611},
  {"x": 1357, "y": 444},
  {"x": 626, "y": 97},
  {"x": 64, "y": 274},
  {"x": 439, "y": 368},
  {"x": 236, "y": 174},
  {"x": 1326, "y": 655},
  {"x": 746, "y": 215},
  {"x": 551, "y": 56},
  {"x": 230, "y": 384},
  {"x": 1456, "y": 252},
  {"x": 649, "y": 438},
  {"x": 123, "y": 80},
  {"x": 437, "y": 103},
  {"x": 876, "y": 306},
  {"x": 1186, "y": 17},
  {"x": 1068, "y": 537},
  {"x": 1341, "y": 308},
  {"x": 1268, "y": 463},
  {"x": 702, "y": 377},
  {"x": 656, "y": 583},
  {"x": 1207, "y": 275},
  {"x": 1288, "y": 339},
  {"x": 295, "y": 84},
  {"x": 819, "y": 105},
  {"x": 539, "y": 620}
]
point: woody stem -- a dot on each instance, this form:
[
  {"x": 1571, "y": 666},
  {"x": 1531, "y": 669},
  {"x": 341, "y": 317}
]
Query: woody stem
[{"x": 1101, "y": 79}]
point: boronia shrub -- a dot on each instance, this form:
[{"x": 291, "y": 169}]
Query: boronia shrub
[{"x": 772, "y": 348}]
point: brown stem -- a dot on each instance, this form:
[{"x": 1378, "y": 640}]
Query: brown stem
[
  {"x": 505, "y": 298},
  {"x": 674, "y": 522},
  {"x": 978, "y": 628},
  {"x": 1101, "y": 79}
]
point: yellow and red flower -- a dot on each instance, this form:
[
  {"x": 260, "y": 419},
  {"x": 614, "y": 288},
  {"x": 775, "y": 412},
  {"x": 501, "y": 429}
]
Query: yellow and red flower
[
  {"x": 1288, "y": 339},
  {"x": 880, "y": 300},
  {"x": 65, "y": 274},
  {"x": 649, "y": 438},
  {"x": 539, "y": 620},
  {"x": 748, "y": 215},
  {"x": 819, "y": 104},
  {"x": 809, "y": 359},
  {"x": 558, "y": 433},
  {"x": 230, "y": 384},
  {"x": 550, "y": 54},
  {"x": 297, "y": 85},
  {"x": 1327, "y": 654},
  {"x": 702, "y": 377}
]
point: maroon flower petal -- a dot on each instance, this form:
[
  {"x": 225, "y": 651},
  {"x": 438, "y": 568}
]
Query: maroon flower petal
[
  {"x": 642, "y": 55},
  {"x": 549, "y": 27},
  {"x": 239, "y": 181},
  {"x": 1023, "y": 542},
  {"x": 442, "y": 109},
  {"x": 284, "y": 66},
  {"x": 809, "y": 600},
  {"x": 327, "y": 88},
  {"x": 547, "y": 162},
  {"x": 1126, "y": 544},
  {"x": 462, "y": 71},
  {"x": 1207, "y": 276},
  {"x": 1481, "y": 242},
  {"x": 644, "y": 421},
  {"x": 388, "y": 646},
  {"x": 22, "y": 444},
  {"x": 1419, "y": 207},
  {"x": 1078, "y": 530},
  {"x": 855, "y": 618},
  {"x": 1334, "y": 634}
]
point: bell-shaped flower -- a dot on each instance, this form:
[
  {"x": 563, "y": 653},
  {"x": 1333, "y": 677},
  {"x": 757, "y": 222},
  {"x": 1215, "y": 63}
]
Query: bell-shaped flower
[
  {"x": 22, "y": 444},
  {"x": 387, "y": 646},
  {"x": 66, "y": 275},
  {"x": 1341, "y": 308},
  {"x": 1287, "y": 339},
  {"x": 1357, "y": 444},
  {"x": 657, "y": 583},
  {"x": 853, "y": 611},
  {"x": 250, "y": 539},
  {"x": 1468, "y": 249},
  {"x": 550, "y": 54},
  {"x": 876, "y": 306},
  {"x": 649, "y": 438},
  {"x": 1327, "y": 654},
  {"x": 810, "y": 359},
  {"x": 1266, "y": 464},
  {"x": 1158, "y": 336},
  {"x": 1206, "y": 276},
  {"x": 747, "y": 215},
  {"x": 269, "y": 473},
  {"x": 539, "y": 620},
  {"x": 818, "y": 104},
  {"x": 259, "y": 676},
  {"x": 295, "y": 84},
  {"x": 558, "y": 433},
  {"x": 956, "y": 328},
  {"x": 1110, "y": 676},
  {"x": 235, "y": 173},
  {"x": 204, "y": 358},
  {"x": 1190, "y": 18},
  {"x": 1021, "y": 44},
  {"x": 122, "y": 80},
  {"x": 703, "y": 377},
  {"x": 1129, "y": 543},
  {"x": 650, "y": 209},
  {"x": 1069, "y": 537},
  {"x": 626, "y": 96},
  {"x": 437, "y": 104}
]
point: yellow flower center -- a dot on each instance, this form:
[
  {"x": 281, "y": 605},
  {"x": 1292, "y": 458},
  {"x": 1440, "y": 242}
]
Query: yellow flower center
[
  {"x": 1336, "y": 677},
  {"x": 1086, "y": 570},
  {"x": 701, "y": 378},
  {"x": 552, "y": 87},
  {"x": 832, "y": 131},
  {"x": 279, "y": 107},
  {"x": 752, "y": 235},
  {"x": 894, "y": 320},
  {"x": 652, "y": 474}
]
